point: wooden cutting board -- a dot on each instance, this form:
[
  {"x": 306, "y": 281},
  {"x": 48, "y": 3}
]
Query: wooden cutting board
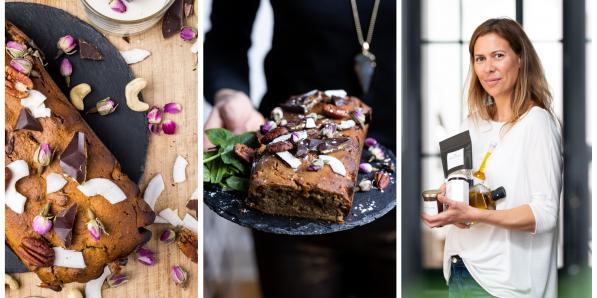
[{"x": 171, "y": 77}]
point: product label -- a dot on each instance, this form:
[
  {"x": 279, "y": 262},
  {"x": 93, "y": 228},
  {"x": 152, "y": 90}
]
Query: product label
[
  {"x": 455, "y": 159},
  {"x": 457, "y": 190},
  {"x": 430, "y": 207}
]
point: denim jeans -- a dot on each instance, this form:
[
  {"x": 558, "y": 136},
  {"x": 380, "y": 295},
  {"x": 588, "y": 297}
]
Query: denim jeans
[{"x": 462, "y": 284}]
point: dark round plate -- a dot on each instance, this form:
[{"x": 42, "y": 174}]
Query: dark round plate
[
  {"x": 366, "y": 207},
  {"x": 124, "y": 132}
]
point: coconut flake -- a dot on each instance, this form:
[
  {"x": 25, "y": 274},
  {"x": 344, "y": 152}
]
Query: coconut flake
[
  {"x": 35, "y": 103},
  {"x": 190, "y": 222},
  {"x": 178, "y": 171},
  {"x": 54, "y": 182},
  {"x": 159, "y": 220},
  {"x": 93, "y": 288},
  {"x": 281, "y": 138},
  {"x": 195, "y": 47},
  {"x": 346, "y": 124},
  {"x": 310, "y": 123},
  {"x": 336, "y": 165},
  {"x": 171, "y": 216},
  {"x": 68, "y": 258},
  {"x": 338, "y": 92},
  {"x": 135, "y": 55},
  {"x": 13, "y": 199},
  {"x": 311, "y": 93},
  {"x": 154, "y": 189},
  {"x": 103, "y": 187},
  {"x": 292, "y": 161}
]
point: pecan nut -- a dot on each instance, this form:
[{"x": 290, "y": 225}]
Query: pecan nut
[
  {"x": 17, "y": 84},
  {"x": 7, "y": 176},
  {"x": 272, "y": 134},
  {"x": 245, "y": 152},
  {"x": 335, "y": 112},
  {"x": 280, "y": 147},
  {"x": 188, "y": 244},
  {"x": 35, "y": 252},
  {"x": 382, "y": 180}
]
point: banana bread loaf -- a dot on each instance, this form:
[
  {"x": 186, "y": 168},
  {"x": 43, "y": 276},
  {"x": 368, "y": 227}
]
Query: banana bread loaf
[
  {"x": 308, "y": 162},
  {"x": 54, "y": 157}
]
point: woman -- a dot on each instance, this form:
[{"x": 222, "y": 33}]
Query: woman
[{"x": 510, "y": 251}]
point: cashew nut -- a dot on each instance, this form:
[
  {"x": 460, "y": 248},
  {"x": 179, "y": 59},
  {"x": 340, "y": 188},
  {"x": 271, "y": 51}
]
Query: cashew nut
[
  {"x": 132, "y": 95},
  {"x": 12, "y": 283},
  {"x": 73, "y": 293},
  {"x": 77, "y": 94}
]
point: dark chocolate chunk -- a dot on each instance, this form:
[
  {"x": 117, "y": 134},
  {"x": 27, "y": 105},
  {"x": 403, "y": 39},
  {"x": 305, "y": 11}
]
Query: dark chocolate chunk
[
  {"x": 127, "y": 39},
  {"x": 333, "y": 144},
  {"x": 192, "y": 205},
  {"x": 64, "y": 223},
  {"x": 302, "y": 148},
  {"x": 295, "y": 125},
  {"x": 73, "y": 160},
  {"x": 10, "y": 147},
  {"x": 314, "y": 143},
  {"x": 173, "y": 19},
  {"x": 27, "y": 121},
  {"x": 88, "y": 51},
  {"x": 301, "y": 104}
]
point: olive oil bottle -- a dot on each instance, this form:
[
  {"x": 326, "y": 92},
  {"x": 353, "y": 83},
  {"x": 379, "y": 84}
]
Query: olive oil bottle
[{"x": 481, "y": 197}]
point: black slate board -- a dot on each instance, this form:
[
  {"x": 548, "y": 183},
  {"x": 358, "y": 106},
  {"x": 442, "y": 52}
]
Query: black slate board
[
  {"x": 124, "y": 132},
  {"x": 366, "y": 207}
]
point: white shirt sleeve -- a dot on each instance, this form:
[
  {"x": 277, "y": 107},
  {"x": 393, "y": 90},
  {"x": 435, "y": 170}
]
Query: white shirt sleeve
[{"x": 544, "y": 171}]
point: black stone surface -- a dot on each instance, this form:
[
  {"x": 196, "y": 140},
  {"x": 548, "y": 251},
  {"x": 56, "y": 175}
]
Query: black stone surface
[
  {"x": 124, "y": 132},
  {"x": 366, "y": 207}
]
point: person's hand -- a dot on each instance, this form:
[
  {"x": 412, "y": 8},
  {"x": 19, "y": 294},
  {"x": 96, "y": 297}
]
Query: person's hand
[
  {"x": 234, "y": 111},
  {"x": 458, "y": 213}
]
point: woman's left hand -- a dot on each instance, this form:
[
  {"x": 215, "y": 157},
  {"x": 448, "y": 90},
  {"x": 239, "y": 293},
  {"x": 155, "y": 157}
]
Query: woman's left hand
[{"x": 458, "y": 214}]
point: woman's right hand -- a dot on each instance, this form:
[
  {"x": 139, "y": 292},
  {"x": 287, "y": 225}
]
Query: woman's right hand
[{"x": 234, "y": 111}]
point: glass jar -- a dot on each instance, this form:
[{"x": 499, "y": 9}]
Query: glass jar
[
  {"x": 140, "y": 15},
  {"x": 431, "y": 205}
]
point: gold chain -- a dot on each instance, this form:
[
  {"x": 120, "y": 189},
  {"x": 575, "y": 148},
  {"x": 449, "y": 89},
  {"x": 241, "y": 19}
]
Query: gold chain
[{"x": 357, "y": 23}]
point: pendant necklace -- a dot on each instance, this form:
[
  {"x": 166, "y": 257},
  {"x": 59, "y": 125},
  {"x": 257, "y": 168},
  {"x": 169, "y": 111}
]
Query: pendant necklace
[{"x": 365, "y": 61}]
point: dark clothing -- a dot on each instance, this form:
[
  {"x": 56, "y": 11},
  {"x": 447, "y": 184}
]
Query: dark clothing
[
  {"x": 356, "y": 263},
  {"x": 313, "y": 47}
]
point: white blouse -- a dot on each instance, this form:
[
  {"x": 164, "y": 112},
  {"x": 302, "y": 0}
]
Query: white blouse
[{"x": 527, "y": 162}]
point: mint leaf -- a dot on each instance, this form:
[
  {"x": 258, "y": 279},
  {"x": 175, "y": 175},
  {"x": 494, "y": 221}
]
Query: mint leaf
[
  {"x": 247, "y": 138},
  {"x": 237, "y": 183},
  {"x": 206, "y": 174},
  {"x": 219, "y": 136}
]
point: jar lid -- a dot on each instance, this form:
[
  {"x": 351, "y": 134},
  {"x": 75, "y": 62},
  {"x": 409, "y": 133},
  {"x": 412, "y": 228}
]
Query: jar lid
[{"x": 431, "y": 194}]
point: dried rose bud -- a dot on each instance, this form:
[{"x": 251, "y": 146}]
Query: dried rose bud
[
  {"x": 277, "y": 114},
  {"x": 117, "y": 6},
  {"x": 42, "y": 156},
  {"x": 106, "y": 106},
  {"x": 376, "y": 153},
  {"x": 42, "y": 223},
  {"x": 358, "y": 116},
  {"x": 328, "y": 130},
  {"x": 168, "y": 236},
  {"x": 169, "y": 127},
  {"x": 179, "y": 275},
  {"x": 188, "y": 33},
  {"x": 66, "y": 44},
  {"x": 66, "y": 70},
  {"x": 95, "y": 226},
  {"x": 172, "y": 108},
  {"x": 269, "y": 125},
  {"x": 370, "y": 142},
  {"x": 116, "y": 280},
  {"x": 155, "y": 128},
  {"x": 154, "y": 116},
  {"x": 22, "y": 65},
  {"x": 146, "y": 256},
  {"x": 365, "y": 168},
  {"x": 15, "y": 49},
  {"x": 316, "y": 165},
  {"x": 365, "y": 185}
]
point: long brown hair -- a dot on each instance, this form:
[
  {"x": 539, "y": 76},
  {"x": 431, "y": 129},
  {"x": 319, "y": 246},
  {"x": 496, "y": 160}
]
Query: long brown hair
[{"x": 531, "y": 87}]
